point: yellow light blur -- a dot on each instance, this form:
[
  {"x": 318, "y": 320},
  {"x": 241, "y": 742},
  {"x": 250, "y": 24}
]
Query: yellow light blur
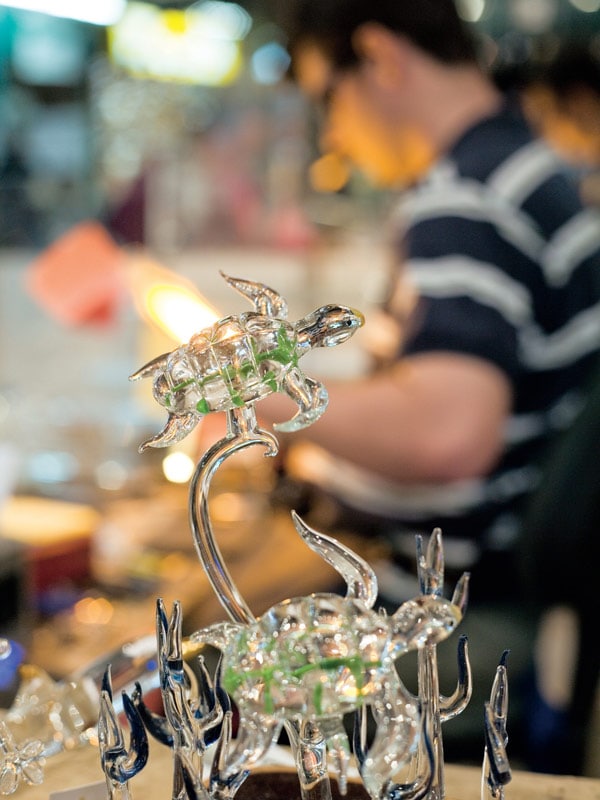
[
  {"x": 199, "y": 45},
  {"x": 174, "y": 21},
  {"x": 178, "y": 312},
  {"x": 177, "y": 467},
  {"x": 167, "y": 300}
]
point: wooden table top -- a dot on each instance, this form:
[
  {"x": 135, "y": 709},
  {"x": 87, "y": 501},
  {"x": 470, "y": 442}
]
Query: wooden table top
[{"x": 82, "y": 766}]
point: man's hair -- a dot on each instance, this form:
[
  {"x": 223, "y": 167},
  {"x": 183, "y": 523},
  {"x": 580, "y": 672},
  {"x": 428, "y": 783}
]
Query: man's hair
[{"x": 432, "y": 25}]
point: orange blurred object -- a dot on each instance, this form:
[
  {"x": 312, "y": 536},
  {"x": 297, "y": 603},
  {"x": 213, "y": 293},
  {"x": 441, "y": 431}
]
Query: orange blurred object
[
  {"x": 329, "y": 173},
  {"x": 78, "y": 278}
]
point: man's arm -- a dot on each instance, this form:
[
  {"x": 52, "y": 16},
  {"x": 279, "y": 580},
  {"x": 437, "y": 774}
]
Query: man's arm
[{"x": 435, "y": 417}]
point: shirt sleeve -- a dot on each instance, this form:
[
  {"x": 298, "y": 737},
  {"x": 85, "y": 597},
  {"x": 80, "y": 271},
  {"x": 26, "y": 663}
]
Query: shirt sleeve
[{"x": 462, "y": 325}]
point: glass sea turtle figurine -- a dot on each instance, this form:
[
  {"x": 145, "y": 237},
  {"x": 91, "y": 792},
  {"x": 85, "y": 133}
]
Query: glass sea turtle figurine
[{"x": 242, "y": 358}]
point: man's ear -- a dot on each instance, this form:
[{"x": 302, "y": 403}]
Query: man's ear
[{"x": 383, "y": 50}]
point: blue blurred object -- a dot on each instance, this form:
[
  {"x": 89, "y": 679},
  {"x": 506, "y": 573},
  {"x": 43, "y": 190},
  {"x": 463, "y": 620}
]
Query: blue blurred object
[{"x": 11, "y": 658}]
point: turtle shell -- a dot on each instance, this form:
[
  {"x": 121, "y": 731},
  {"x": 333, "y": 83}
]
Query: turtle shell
[
  {"x": 238, "y": 360},
  {"x": 312, "y": 656}
]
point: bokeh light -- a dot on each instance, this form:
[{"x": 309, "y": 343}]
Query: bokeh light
[
  {"x": 198, "y": 45},
  {"x": 269, "y": 63},
  {"x": 470, "y": 10},
  {"x": 177, "y": 467}
]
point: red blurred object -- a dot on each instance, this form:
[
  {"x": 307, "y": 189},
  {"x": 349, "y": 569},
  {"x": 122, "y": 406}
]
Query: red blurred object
[
  {"x": 77, "y": 280},
  {"x": 56, "y": 538},
  {"x": 59, "y": 563}
]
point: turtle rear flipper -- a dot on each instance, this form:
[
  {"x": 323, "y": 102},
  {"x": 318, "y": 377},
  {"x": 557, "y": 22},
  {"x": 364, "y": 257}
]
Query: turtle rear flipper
[
  {"x": 178, "y": 426},
  {"x": 311, "y": 397}
]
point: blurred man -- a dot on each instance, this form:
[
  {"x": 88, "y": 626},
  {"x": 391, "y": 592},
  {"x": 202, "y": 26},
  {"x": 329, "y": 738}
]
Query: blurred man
[{"x": 492, "y": 323}]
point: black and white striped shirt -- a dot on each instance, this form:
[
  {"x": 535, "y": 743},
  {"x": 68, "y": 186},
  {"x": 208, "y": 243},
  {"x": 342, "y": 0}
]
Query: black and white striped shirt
[{"x": 506, "y": 263}]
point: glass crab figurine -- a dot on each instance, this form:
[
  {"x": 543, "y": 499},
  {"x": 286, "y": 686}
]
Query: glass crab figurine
[{"x": 242, "y": 358}]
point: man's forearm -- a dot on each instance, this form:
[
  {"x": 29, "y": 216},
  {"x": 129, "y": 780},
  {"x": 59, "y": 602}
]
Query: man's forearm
[{"x": 435, "y": 417}]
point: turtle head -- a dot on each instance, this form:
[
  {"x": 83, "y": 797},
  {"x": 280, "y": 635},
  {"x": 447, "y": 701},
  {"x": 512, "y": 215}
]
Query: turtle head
[{"x": 328, "y": 326}]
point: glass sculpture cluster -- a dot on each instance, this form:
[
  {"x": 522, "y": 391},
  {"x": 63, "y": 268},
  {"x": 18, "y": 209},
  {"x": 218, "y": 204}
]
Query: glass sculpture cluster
[{"x": 309, "y": 664}]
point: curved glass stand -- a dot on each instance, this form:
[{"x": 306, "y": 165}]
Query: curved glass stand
[{"x": 242, "y": 432}]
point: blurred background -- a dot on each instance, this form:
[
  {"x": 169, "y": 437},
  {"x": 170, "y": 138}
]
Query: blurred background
[
  {"x": 145, "y": 142},
  {"x": 169, "y": 119}
]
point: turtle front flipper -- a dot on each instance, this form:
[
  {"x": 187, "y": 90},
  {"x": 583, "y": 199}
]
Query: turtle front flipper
[
  {"x": 266, "y": 300},
  {"x": 311, "y": 397},
  {"x": 178, "y": 426}
]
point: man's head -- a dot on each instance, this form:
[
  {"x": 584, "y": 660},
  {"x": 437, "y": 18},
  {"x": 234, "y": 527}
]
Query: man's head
[
  {"x": 432, "y": 25},
  {"x": 366, "y": 63}
]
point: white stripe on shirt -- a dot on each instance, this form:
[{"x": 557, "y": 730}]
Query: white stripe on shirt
[
  {"x": 578, "y": 338},
  {"x": 578, "y": 239},
  {"x": 521, "y": 428},
  {"x": 454, "y": 276},
  {"x": 457, "y": 275},
  {"x": 523, "y": 172},
  {"x": 470, "y": 200}
]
